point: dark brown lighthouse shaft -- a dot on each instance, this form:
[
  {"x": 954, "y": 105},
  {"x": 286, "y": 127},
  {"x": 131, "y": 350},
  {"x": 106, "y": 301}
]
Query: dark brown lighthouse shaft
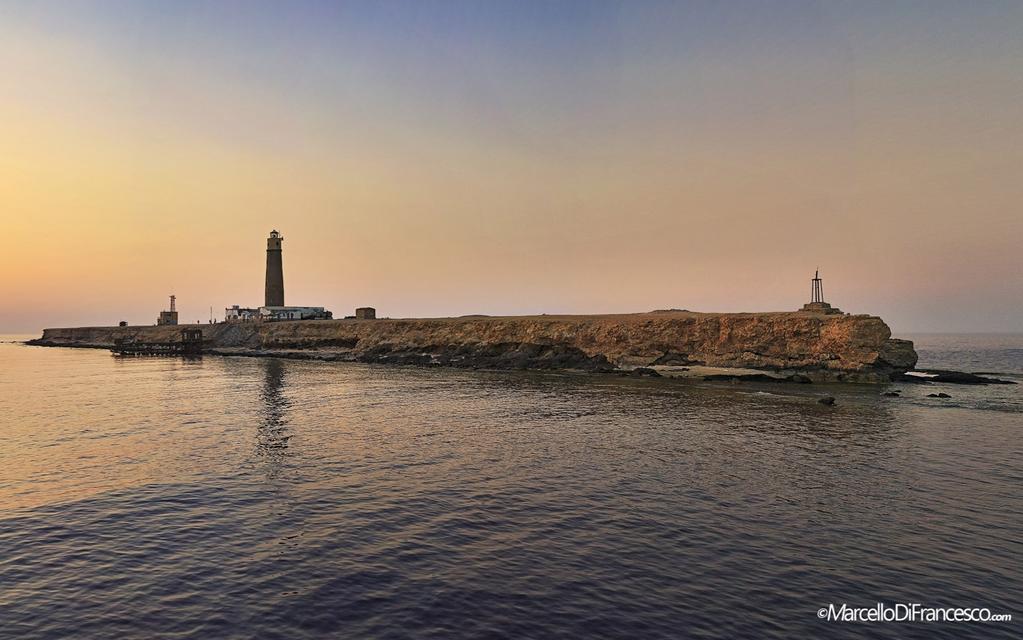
[{"x": 274, "y": 271}]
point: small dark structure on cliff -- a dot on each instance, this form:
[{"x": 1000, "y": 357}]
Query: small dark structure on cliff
[
  {"x": 366, "y": 313},
  {"x": 190, "y": 344},
  {"x": 817, "y": 304}
]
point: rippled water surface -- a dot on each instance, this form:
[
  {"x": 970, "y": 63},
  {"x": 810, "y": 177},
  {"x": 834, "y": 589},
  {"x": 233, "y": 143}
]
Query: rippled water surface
[
  {"x": 997, "y": 353},
  {"x": 243, "y": 498}
]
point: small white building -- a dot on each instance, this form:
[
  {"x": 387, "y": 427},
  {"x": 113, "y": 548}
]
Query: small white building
[
  {"x": 269, "y": 314},
  {"x": 234, "y": 313}
]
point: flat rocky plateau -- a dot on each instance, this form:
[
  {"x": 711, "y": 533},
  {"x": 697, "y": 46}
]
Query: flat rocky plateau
[{"x": 785, "y": 345}]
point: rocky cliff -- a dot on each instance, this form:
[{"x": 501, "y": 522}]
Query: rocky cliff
[{"x": 822, "y": 347}]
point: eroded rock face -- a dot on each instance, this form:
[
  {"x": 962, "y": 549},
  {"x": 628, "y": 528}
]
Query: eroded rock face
[
  {"x": 898, "y": 354},
  {"x": 825, "y": 347}
]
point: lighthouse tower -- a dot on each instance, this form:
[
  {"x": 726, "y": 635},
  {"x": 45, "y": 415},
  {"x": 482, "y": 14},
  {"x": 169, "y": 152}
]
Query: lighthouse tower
[
  {"x": 273, "y": 308},
  {"x": 274, "y": 271}
]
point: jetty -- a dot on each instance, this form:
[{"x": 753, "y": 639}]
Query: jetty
[{"x": 190, "y": 343}]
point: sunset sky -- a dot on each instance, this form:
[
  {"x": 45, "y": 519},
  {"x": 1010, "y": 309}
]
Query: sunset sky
[{"x": 445, "y": 158}]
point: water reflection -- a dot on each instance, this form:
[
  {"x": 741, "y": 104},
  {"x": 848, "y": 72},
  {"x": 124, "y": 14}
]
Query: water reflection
[
  {"x": 272, "y": 434},
  {"x": 418, "y": 495}
]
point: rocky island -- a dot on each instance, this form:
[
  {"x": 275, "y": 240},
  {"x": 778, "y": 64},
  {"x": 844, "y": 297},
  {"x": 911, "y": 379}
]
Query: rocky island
[
  {"x": 818, "y": 343},
  {"x": 803, "y": 345}
]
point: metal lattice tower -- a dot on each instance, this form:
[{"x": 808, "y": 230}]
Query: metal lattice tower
[{"x": 816, "y": 291}]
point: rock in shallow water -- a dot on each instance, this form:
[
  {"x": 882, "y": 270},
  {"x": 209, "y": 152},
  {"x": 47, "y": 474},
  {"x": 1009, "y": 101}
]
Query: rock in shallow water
[
  {"x": 960, "y": 377},
  {"x": 644, "y": 371}
]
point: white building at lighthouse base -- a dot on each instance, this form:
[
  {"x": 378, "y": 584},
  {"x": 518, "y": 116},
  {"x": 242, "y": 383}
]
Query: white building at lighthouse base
[{"x": 271, "y": 314}]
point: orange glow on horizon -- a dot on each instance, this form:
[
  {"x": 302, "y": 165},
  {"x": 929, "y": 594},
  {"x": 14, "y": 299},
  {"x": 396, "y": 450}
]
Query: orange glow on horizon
[{"x": 711, "y": 183}]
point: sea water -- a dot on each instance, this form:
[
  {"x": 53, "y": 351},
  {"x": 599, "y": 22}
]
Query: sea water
[{"x": 244, "y": 497}]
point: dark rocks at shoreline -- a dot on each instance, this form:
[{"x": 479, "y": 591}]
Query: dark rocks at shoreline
[
  {"x": 675, "y": 359},
  {"x": 321, "y": 356},
  {"x": 938, "y": 395},
  {"x": 492, "y": 356},
  {"x": 43, "y": 342},
  {"x": 959, "y": 377},
  {"x": 892, "y": 394},
  {"x": 950, "y": 377},
  {"x": 640, "y": 372},
  {"x": 741, "y": 377},
  {"x": 503, "y": 357},
  {"x": 756, "y": 377},
  {"x": 827, "y": 400}
]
